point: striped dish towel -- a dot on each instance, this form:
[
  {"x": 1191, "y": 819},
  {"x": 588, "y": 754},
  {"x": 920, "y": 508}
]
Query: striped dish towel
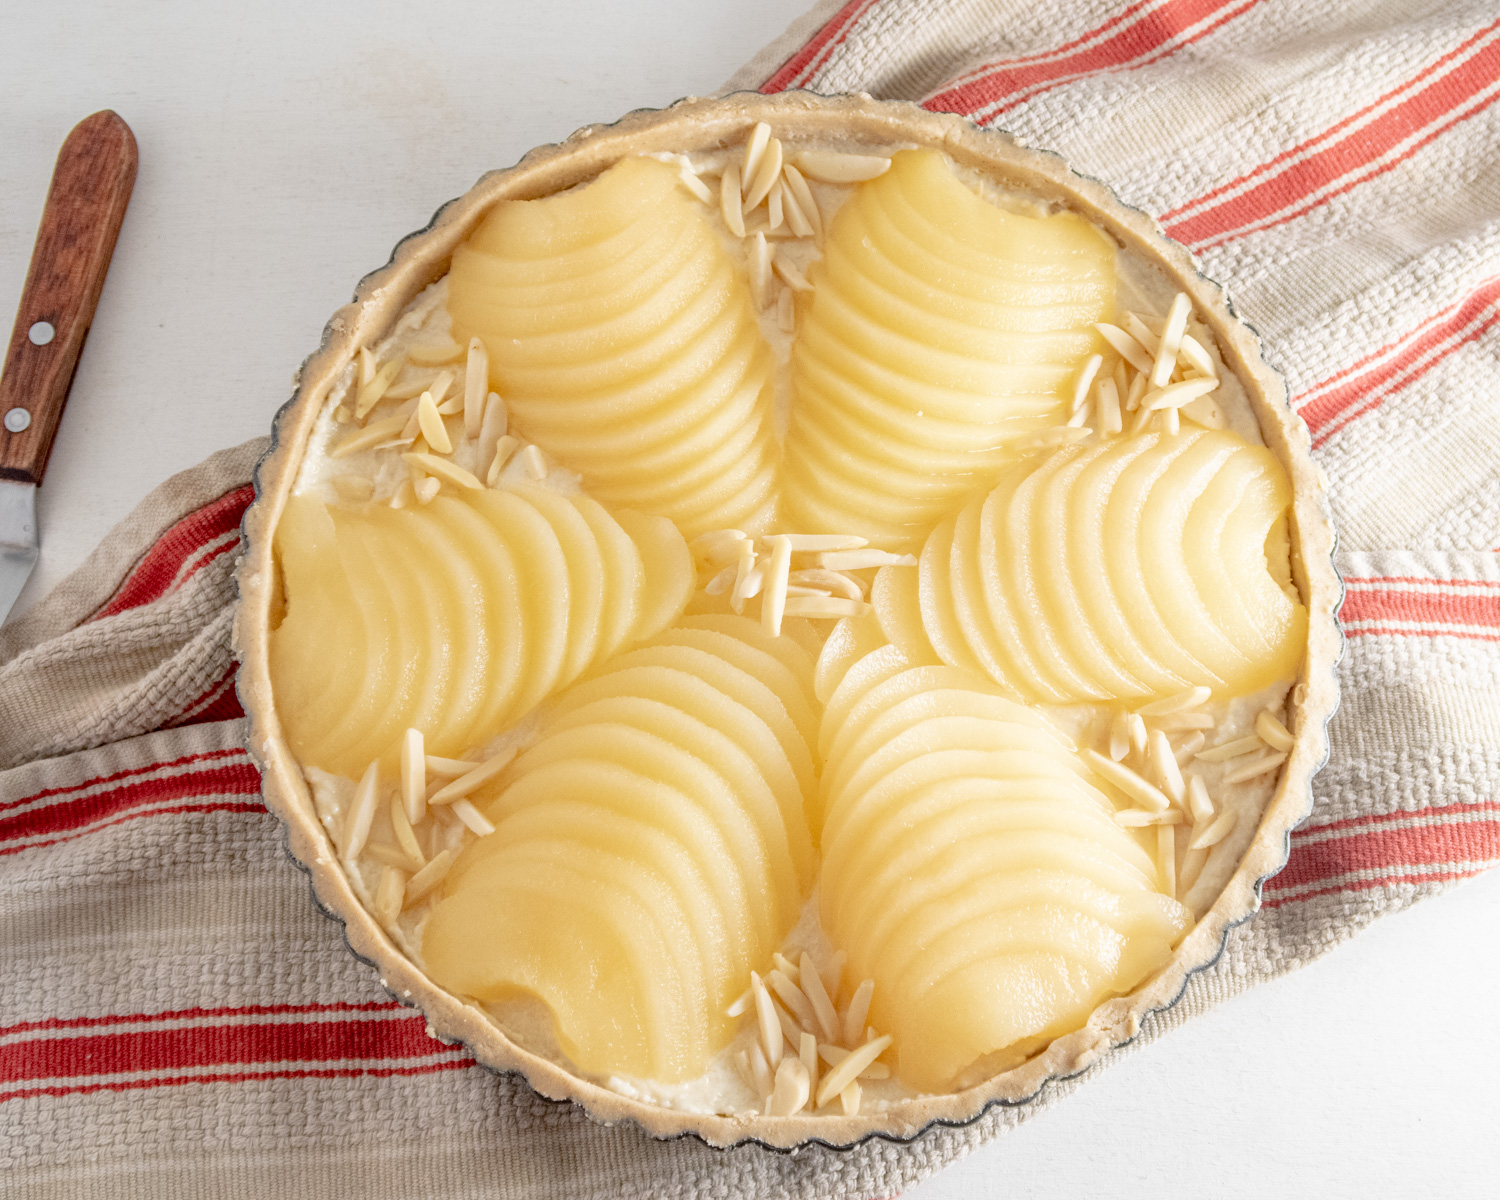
[{"x": 175, "y": 1018}]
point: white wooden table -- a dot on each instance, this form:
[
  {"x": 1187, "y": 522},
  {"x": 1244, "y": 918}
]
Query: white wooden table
[{"x": 285, "y": 146}]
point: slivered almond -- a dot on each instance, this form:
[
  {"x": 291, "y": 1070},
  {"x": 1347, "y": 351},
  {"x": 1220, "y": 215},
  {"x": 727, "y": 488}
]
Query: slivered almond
[
  {"x": 1198, "y": 358},
  {"x": 465, "y": 811},
  {"x": 504, "y": 448},
  {"x": 430, "y": 421},
  {"x": 797, "y": 221},
  {"x": 859, "y": 560},
  {"x": 693, "y": 184},
  {"x": 1254, "y": 770},
  {"x": 432, "y": 354},
  {"x": 1171, "y": 340},
  {"x": 473, "y": 779},
  {"x": 729, "y": 200},
  {"x": 361, "y": 813},
  {"x": 1144, "y": 793},
  {"x": 371, "y": 393},
  {"x": 1137, "y": 390},
  {"x": 388, "y": 896},
  {"x": 420, "y": 884},
  {"x": 1164, "y": 766},
  {"x": 791, "y": 1089},
  {"x": 536, "y": 461},
  {"x": 444, "y": 469},
  {"x": 1142, "y": 333},
  {"x": 721, "y": 583},
  {"x": 1137, "y": 818},
  {"x": 759, "y": 261},
  {"x": 1200, "y": 805},
  {"x": 414, "y": 775},
  {"x": 775, "y": 210},
  {"x": 440, "y": 385},
  {"x": 755, "y": 148},
  {"x": 404, "y": 496},
  {"x": 1081, "y": 416},
  {"x": 806, "y": 203},
  {"x": 787, "y": 271},
  {"x": 1175, "y": 395},
  {"x": 830, "y": 581},
  {"x": 745, "y": 569},
  {"x": 476, "y": 388},
  {"x": 1085, "y": 379},
  {"x": 1219, "y": 829},
  {"x": 1125, "y": 346},
  {"x": 1224, "y": 751},
  {"x": 849, "y": 1100},
  {"x": 773, "y": 604},
  {"x": 833, "y": 1055},
  {"x": 718, "y": 547},
  {"x": 410, "y": 389},
  {"x": 791, "y": 995},
  {"x": 858, "y": 1010},
  {"x": 767, "y": 170},
  {"x": 846, "y": 1072},
  {"x": 741, "y": 1004},
  {"x": 770, "y": 1027},
  {"x": 817, "y": 995},
  {"x": 368, "y": 437},
  {"x": 448, "y": 768},
  {"x": 1170, "y": 421},
  {"x": 1119, "y": 736},
  {"x": 832, "y": 166},
  {"x": 807, "y": 1051},
  {"x": 1110, "y": 420},
  {"x": 491, "y": 430},
  {"x": 406, "y": 838},
  {"x": 1138, "y": 734},
  {"x": 1193, "y": 697},
  {"x": 1273, "y": 732}
]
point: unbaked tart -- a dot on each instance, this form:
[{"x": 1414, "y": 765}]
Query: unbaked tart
[{"x": 788, "y": 618}]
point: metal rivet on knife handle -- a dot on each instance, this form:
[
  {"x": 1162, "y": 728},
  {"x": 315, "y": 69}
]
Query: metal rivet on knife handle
[{"x": 85, "y": 205}]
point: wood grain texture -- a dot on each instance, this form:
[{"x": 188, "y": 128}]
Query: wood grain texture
[{"x": 86, "y": 202}]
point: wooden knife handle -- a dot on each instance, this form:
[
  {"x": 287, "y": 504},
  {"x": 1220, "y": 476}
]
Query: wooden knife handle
[{"x": 85, "y": 205}]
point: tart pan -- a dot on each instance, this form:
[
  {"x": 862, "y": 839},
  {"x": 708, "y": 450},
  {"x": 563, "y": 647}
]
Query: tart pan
[{"x": 696, "y": 126}]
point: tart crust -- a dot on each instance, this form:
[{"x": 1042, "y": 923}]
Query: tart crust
[{"x": 690, "y": 126}]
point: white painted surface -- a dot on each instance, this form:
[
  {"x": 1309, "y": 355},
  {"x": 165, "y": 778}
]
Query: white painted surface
[{"x": 286, "y": 146}]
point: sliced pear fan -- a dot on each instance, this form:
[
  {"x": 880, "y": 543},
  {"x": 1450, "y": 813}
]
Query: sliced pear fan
[
  {"x": 1128, "y": 570},
  {"x": 650, "y": 850},
  {"x": 973, "y": 871},
  {"x": 456, "y": 618},
  {"x": 624, "y": 341},
  {"x": 942, "y": 330}
]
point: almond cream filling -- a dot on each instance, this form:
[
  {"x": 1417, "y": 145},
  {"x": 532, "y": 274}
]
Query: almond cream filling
[{"x": 777, "y": 264}]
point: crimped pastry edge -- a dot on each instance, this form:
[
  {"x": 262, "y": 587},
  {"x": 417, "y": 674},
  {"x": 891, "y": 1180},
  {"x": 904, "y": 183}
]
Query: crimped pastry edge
[{"x": 699, "y": 125}]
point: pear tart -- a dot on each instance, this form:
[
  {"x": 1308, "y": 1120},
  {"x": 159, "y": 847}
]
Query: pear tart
[{"x": 788, "y": 618}]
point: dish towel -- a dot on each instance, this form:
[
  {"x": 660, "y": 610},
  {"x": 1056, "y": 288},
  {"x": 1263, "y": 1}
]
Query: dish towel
[{"x": 177, "y": 1020}]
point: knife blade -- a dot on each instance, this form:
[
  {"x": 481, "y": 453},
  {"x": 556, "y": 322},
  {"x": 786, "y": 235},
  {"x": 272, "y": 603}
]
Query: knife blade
[{"x": 86, "y": 202}]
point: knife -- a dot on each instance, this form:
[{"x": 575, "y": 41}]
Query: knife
[{"x": 85, "y": 205}]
